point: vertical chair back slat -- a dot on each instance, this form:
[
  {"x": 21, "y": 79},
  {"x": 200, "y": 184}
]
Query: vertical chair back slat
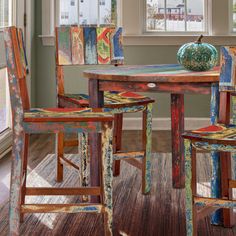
[
  {"x": 103, "y": 45},
  {"x": 228, "y": 69},
  {"x": 17, "y": 69},
  {"x": 77, "y": 38},
  {"x": 90, "y": 44}
]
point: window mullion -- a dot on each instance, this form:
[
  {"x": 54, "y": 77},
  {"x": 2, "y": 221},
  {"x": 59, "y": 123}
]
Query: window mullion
[
  {"x": 185, "y": 15},
  {"x": 98, "y": 12},
  {"x": 78, "y": 7},
  {"x": 165, "y": 6}
]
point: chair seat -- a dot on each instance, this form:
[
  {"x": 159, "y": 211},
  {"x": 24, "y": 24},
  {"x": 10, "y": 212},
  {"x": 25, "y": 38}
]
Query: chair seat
[
  {"x": 214, "y": 134},
  {"x": 112, "y": 99},
  {"x": 63, "y": 115}
]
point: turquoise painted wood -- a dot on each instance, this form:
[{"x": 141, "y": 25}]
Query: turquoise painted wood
[
  {"x": 90, "y": 38},
  {"x": 215, "y": 156}
]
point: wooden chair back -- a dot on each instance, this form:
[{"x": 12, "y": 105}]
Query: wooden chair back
[
  {"x": 228, "y": 69},
  {"x": 17, "y": 69},
  {"x": 87, "y": 45}
]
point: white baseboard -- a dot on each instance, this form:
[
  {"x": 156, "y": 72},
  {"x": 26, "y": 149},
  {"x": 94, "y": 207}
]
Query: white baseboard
[{"x": 165, "y": 123}]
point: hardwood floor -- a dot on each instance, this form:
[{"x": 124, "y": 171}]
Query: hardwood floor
[{"x": 159, "y": 214}]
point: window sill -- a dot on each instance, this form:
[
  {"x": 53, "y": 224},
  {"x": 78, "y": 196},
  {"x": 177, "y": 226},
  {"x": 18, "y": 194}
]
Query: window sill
[
  {"x": 48, "y": 40},
  {"x": 176, "y": 40},
  {"x": 151, "y": 40}
]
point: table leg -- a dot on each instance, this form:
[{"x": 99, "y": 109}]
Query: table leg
[
  {"x": 225, "y": 160},
  {"x": 96, "y": 99},
  {"x": 177, "y": 128}
]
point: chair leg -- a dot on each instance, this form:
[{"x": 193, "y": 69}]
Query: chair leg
[
  {"x": 16, "y": 180},
  {"x": 147, "y": 146},
  {"x": 60, "y": 153},
  {"x": 106, "y": 180},
  {"x": 118, "y": 140},
  {"x": 24, "y": 172},
  {"x": 189, "y": 211},
  {"x": 84, "y": 161}
]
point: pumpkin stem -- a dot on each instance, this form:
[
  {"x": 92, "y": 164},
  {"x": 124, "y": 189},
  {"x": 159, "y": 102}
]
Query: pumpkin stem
[{"x": 199, "y": 40}]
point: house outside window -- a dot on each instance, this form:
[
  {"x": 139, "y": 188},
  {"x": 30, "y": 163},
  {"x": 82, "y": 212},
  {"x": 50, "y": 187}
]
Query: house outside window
[{"x": 176, "y": 15}]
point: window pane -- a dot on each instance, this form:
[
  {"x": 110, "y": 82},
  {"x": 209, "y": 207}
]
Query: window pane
[
  {"x": 5, "y": 13},
  {"x": 175, "y": 15},
  {"x": 155, "y": 15},
  {"x": 3, "y": 101},
  {"x": 195, "y": 15},
  {"x": 234, "y": 15},
  {"x": 88, "y": 12},
  {"x": 68, "y": 12},
  {"x": 105, "y": 11}
]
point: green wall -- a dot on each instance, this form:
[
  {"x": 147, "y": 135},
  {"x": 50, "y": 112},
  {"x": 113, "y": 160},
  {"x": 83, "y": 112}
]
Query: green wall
[{"x": 45, "y": 84}]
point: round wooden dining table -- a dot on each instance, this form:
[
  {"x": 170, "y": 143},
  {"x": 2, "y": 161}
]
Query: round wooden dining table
[{"x": 172, "y": 79}]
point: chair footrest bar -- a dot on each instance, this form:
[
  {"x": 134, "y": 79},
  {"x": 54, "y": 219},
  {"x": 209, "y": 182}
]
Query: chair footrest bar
[
  {"x": 70, "y": 163},
  {"x": 62, "y": 208},
  {"x": 93, "y": 191},
  {"x": 134, "y": 162},
  {"x": 214, "y": 202},
  {"x": 128, "y": 155},
  {"x": 232, "y": 183},
  {"x": 71, "y": 143}
]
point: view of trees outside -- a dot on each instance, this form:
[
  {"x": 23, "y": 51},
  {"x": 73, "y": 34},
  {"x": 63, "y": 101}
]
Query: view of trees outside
[
  {"x": 88, "y": 12},
  {"x": 173, "y": 15}
]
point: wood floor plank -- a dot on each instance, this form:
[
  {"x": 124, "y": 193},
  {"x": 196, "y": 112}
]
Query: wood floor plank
[{"x": 159, "y": 214}]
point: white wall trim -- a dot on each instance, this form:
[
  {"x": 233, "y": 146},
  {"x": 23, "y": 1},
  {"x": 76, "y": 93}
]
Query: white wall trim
[{"x": 165, "y": 123}]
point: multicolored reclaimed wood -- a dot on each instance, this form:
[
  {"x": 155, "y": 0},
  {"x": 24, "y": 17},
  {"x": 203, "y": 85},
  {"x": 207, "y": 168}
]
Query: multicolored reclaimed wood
[
  {"x": 227, "y": 75},
  {"x": 77, "y": 38},
  {"x": 53, "y": 120},
  {"x": 117, "y": 51},
  {"x": 215, "y": 156},
  {"x": 173, "y": 79},
  {"x": 103, "y": 45},
  {"x": 112, "y": 99},
  {"x": 64, "y": 55},
  {"x": 171, "y": 73},
  {"x": 90, "y": 39},
  {"x": 89, "y": 45}
]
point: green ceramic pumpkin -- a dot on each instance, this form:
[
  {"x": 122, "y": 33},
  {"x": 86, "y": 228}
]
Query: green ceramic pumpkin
[{"x": 198, "y": 56}]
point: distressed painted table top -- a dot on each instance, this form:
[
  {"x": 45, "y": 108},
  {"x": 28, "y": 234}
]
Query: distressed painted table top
[{"x": 154, "y": 73}]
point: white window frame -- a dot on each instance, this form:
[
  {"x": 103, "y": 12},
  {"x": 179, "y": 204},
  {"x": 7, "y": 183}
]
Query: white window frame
[
  {"x": 169, "y": 33},
  {"x": 50, "y": 19},
  {"x": 6, "y": 135},
  {"x": 219, "y": 28}
]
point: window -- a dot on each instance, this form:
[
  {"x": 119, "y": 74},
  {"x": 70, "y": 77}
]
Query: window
[
  {"x": 5, "y": 13},
  {"x": 85, "y": 12},
  {"x": 175, "y": 15},
  {"x": 234, "y": 16}
]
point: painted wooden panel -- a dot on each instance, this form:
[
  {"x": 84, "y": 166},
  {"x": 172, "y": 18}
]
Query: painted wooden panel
[
  {"x": 228, "y": 69},
  {"x": 117, "y": 52},
  {"x": 22, "y": 51},
  {"x": 77, "y": 40},
  {"x": 103, "y": 45},
  {"x": 64, "y": 46},
  {"x": 90, "y": 44}
]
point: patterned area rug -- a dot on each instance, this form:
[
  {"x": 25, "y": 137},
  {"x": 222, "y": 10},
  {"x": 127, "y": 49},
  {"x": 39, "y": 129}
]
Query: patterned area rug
[{"x": 160, "y": 213}]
